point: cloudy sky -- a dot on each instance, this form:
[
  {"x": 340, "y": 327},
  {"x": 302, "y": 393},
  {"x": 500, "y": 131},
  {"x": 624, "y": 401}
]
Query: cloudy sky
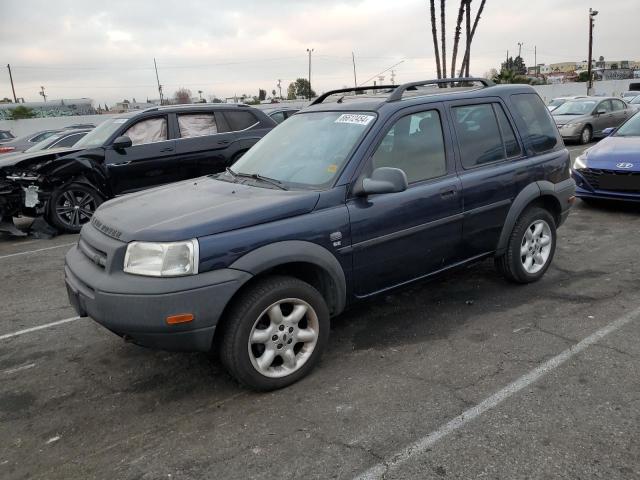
[{"x": 105, "y": 49}]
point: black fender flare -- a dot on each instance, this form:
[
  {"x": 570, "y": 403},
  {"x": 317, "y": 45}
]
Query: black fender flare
[
  {"x": 292, "y": 251},
  {"x": 527, "y": 195}
]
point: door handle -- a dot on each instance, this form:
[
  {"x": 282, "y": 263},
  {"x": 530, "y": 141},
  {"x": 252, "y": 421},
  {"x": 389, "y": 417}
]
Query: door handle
[
  {"x": 224, "y": 142},
  {"x": 167, "y": 149},
  {"x": 122, "y": 164},
  {"x": 448, "y": 192}
]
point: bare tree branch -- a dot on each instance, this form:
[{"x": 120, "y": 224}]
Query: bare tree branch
[
  {"x": 434, "y": 33},
  {"x": 465, "y": 60},
  {"x": 443, "y": 37},
  {"x": 456, "y": 38}
]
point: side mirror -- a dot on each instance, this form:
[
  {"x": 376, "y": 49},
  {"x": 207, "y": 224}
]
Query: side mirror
[
  {"x": 607, "y": 132},
  {"x": 122, "y": 142},
  {"x": 600, "y": 112},
  {"x": 383, "y": 180}
]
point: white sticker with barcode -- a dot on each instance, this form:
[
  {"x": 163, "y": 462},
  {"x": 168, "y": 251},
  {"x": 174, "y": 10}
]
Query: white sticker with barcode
[{"x": 355, "y": 118}]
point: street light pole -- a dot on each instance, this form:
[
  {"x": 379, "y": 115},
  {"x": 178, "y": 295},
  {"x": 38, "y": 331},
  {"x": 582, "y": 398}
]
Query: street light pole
[
  {"x": 592, "y": 14},
  {"x": 310, "y": 51}
]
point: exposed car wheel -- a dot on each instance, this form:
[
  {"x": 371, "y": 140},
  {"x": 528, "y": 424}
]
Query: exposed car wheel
[
  {"x": 71, "y": 206},
  {"x": 531, "y": 247},
  {"x": 586, "y": 135},
  {"x": 275, "y": 333}
]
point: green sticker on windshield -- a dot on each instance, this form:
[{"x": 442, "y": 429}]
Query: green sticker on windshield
[{"x": 355, "y": 118}]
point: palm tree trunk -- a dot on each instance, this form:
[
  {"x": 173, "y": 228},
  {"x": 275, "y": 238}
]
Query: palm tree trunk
[
  {"x": 465, "y": 60},
  {"x": 468, "y": 49},
  {"x": 443, "y": 38},
  {"x": 434, "y": 33},
  {"x": 456, "y": 38}
]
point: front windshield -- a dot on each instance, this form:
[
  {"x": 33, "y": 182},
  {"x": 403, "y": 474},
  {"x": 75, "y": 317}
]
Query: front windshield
[
  {"x": 97, "y": 136},
  {"x": 556, "y": 103},
  {"x": 575, "y": 107},
  {"x": 635, "y": 100},
  {"x": 631, "y": 128},
  {"x": 44, "y": 143},
  {"x": 308, "y": 150}
]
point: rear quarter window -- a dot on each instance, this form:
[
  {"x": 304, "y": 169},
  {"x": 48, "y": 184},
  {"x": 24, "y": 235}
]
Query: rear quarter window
[
  {"x": 539, "y": 130},
  {"x": 240, "y": 120}
]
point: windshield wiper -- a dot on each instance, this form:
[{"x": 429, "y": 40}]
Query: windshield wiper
[{"x": 257, "y": 176}]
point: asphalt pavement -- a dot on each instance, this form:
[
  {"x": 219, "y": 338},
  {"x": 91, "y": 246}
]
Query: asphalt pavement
[{"x": 466, "y": 376}]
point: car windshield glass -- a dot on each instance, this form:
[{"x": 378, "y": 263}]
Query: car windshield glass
[
  {"x": 635, "y": 100},
  {"x": 308, "y": 150},
  {"x": 631, "y": 128},
  {"x": 575, "y": 107},
  {"x": 555, "y": 103},
  {"x": 97, "y": 136},
  {"x": 43, "y": 144}
]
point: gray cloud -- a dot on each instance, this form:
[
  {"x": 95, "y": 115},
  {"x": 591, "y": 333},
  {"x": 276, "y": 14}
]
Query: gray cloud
[{"x": 105, "y": 50}]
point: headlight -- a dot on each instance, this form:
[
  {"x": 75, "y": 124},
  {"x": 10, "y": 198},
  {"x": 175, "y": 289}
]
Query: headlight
[
  {"x": 162, "y": 259},
  {"x": 580, "y": 162}
]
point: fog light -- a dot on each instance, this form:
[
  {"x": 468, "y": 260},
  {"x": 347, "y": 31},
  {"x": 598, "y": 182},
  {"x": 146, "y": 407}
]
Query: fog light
[{"x": 181, "y": 318}]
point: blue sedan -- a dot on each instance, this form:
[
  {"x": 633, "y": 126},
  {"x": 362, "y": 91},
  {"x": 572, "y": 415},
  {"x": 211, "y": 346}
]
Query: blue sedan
[{"x": 611, "y": 169}]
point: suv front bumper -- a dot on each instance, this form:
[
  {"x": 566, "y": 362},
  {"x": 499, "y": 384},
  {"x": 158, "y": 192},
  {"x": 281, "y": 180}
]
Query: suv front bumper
[{"x": 136, "y": 307}]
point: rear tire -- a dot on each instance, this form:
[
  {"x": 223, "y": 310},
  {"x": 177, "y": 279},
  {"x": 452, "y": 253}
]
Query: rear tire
[
  {"x": 531, "y": 247},
  {"x": 275, "y": 333},
  {"x": 71, "y": 206}
]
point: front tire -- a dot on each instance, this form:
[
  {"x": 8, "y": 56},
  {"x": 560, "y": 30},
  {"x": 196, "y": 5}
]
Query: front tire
[
  {"x": 275, "y": 333},
  {"x": 71, "y": 206},
  {"x": 531, "y": 247},
  {"x": 586, "y": 135}
]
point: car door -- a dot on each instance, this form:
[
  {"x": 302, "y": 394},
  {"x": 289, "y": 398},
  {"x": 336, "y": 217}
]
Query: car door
[
  {"x": 621, "y": 112},
  {"x": 202, "y": 143},
  {"x": 151, "y": 159},
  {"x": 489, "y": 168},
  {"x": 399, "y": 237},
  {"x": 604, "y": 117}
]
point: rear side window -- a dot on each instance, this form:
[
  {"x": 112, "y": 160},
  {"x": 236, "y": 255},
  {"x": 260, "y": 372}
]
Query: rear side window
[
  {"x": 480, "y": 130},
  {"x": 197, "y": 125},
  {"x": 69, "y": 140},
  {"x": 240, "y": 120},
  {"x": 278, "y": 117},
  {"x": 539, "y": 129}
]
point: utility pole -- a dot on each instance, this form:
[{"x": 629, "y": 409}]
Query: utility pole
[
  {"x": 393, "y": 77},
  {"x": 310, "y": 51},
  {"x": 520, "y": 49},
  {"x": 43, "y": 94},
  {"x": 355, "y": 80},
  {"x": 592, "y": 14},
  {"x": 535, "y": 58},
  {"x": 280, "y": 88},
  {"x": 158, "y": 80},
  {"x": 12, "y": 87}
]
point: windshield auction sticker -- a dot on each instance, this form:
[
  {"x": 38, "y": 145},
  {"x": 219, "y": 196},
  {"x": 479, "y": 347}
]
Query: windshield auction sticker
[{"x": 355, "y": 118}]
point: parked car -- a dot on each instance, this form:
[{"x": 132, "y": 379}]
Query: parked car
[
  {"x": 634, "y": 103},
  {"x": 341, "y": 202},
  {"x": 65, "y": 138},
  {"x": 6, "y": 136},
  {"x": 611, "y": 169},
  {"x": 630, "y": 94},
  {"x": 586, "y": 118},
  {"x": 280, "y": 114},
  {"x": 20, "y": 144},
  {"x": 135, "y": 151},
  {"x": 556, "y": 102}
]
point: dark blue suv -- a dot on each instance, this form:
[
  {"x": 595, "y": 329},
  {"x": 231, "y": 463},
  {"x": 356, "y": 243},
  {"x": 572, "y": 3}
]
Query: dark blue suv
[{"x": 346, "y": 199}]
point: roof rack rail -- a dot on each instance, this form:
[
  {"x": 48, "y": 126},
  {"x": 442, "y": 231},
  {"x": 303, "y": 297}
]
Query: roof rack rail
[
  {"x": 325, "y": 95},
  {"x": 397, "y": 93}
]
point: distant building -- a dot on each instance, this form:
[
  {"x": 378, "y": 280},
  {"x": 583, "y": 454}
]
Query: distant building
[
  {"x": 53, "y": 108},
  {"x": 127, "y": 106}
]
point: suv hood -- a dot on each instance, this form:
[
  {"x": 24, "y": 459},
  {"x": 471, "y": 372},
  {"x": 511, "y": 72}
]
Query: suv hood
[
  {"x": 563, "y": 119},
  {"x": 27, "y": 160},
  {"x": 197, "y": 208}
]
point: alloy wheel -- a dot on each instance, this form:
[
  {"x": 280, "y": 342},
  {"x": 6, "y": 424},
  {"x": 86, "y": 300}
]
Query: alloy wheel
[
  {"x": 75, "y": 207},
  {"x": 535, "y": 248},
  {"x": 283, "y": 337}
]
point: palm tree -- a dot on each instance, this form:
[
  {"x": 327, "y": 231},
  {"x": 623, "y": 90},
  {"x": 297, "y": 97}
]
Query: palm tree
[
  {"x": 468, "y": 25},
  {"x": 443, "y": 38},
  {"x": 465, "y": 60},
  {"x": 434, "y": 33},
  {"x": 456, "y": 37}
]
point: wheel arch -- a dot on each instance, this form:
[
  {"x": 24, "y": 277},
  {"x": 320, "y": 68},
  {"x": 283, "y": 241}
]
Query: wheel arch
[
  {"x": 540, "y": 193},
  {"x": 306, "y": 261}
]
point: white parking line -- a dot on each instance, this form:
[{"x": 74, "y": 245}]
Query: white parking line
[
  {"x": 422, "y": 445},
  {"x": 39, "y": 327},
  {"x": 37, "y": 250},
  {"x": 18, "y": 369}
]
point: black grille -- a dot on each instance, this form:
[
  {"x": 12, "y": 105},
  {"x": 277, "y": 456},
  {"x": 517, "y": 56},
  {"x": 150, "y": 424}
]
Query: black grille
[
  {"x": 595, "y": 175},
  {"x": 96, "y": 256}
]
